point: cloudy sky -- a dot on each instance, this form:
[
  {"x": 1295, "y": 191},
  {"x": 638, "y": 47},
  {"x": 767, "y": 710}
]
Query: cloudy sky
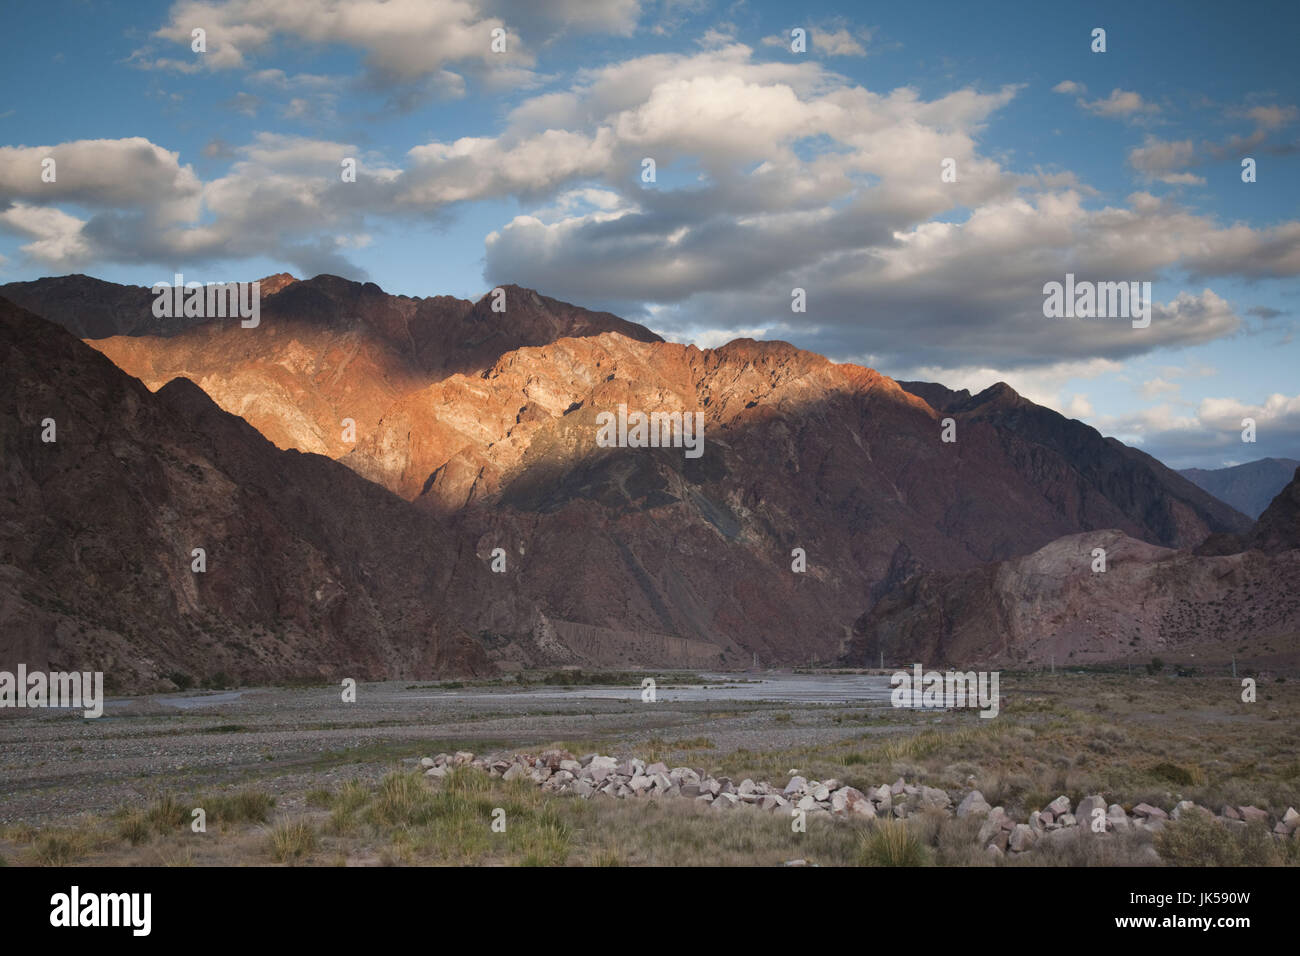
[{"x": 775, "y": 169}]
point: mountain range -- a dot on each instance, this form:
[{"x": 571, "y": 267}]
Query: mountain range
[
  {"x": 413, "y": 487},
  {"x": 1249, "y": 487}
]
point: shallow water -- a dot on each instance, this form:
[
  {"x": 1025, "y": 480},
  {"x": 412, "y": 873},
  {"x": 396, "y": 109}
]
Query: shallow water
[{"x": 793, "y": 688}]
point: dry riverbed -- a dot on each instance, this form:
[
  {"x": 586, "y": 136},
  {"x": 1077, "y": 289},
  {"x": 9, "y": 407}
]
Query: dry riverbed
[{"x": 294, "y": 775}]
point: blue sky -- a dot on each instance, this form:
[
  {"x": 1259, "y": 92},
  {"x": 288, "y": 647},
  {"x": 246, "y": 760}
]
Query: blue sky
[{"x": 775, "y": 169}]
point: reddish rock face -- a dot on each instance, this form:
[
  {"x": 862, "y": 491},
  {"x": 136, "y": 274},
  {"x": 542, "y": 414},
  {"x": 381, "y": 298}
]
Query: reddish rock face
[
  {"x": 1051, "y": 605},
  {"x": 487, "y": 424}
]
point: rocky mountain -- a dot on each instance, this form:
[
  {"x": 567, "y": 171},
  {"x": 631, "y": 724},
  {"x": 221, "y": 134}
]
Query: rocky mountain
[
  {"x": 311, "y": 571},
  {"x": 1087, "y": 474},
  {"x": 820, "y": 487},
  {"x": 1250, "y": 487},
  {"x": 1204, "y": 605},
  {"x": 327, "y": 349}
]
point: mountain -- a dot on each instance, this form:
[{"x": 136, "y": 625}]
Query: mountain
[
  {"x": 1086, "y": 474},
  {"x": 311, "y": 571},
  {"x": 1149, "y": 601},
  {"x": 328, "y": 349},
  {"x": 486, "y": 423},
  {"x": 1250, "y": 487}
]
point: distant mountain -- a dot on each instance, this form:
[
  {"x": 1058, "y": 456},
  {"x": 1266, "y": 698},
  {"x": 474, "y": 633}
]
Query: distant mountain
[
  {"x": 1237, "y": 598},
  {"x": 1250, "y": 487}
]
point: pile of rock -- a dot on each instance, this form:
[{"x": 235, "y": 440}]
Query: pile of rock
[{"x": 559, "y": 771}]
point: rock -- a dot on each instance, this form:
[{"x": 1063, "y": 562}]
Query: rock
[
  {"x": 1059, "y": 806},
  {"x": 1067, "y": 820},
  {"x": 807, "y": 802},
  {"x": 883, "y": 797},
  {"x": 746, "y": 787},
  {"x": 426, "y": 761},
  {"x": 661, "y": 783},
  {"x": 656, "y": 767},
  {"x": 773, "y": 802},
  {"x": 583, "y": 787},
  {"x": 1086, "y": 806},
  {"x": 898, "y": 787},
  {"x": 1021, "y": 839},
  {"x": 438, "y": 772},
  {"x": 994, "y": 851},
  {"x": 640, "y": 783},
  {"x": 1253, "y": 814},
  {"x": 973, "y": 802},
  {"x": 1231, "y": 813},
  {"x": 840, "y": 799},
  {"x": 832, "y": 784},
  {"x": 705, "y": 798},
  {"x": 1291, "y": 819},
  {"x": 463, "y": 757},
  {"x": 1117, "y": 819},
  {"x": 601, "y": 767},
  {"x": 934, "y": 797},
  {"x": 796, "y": 785},
  {"x": 1039, "y": 820},
  {"x": 710, "y": 786},
  {"x": 515, "y": 771},
  {"x": 690, "y": 790},
  {"x": 1146, "y": 811},
  {"x": 821, "y": 792},
  {"x": 726, "y": 800},
  {"x": 572, "y": 766}
]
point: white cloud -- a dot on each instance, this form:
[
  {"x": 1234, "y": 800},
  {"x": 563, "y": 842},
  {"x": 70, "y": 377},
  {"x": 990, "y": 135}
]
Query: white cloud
[{"x": 1121, "y": 103}]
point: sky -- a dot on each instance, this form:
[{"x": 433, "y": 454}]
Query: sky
[{"x": 500, "y": 141}]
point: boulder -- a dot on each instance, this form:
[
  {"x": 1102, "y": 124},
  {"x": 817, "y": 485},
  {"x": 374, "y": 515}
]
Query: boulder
[
  {"x": 1146, "y": 811},
  {"x": 1086, "y": 806},
  {"x": 1021, "y": 839},
  {"x": 973, "y": 802},
  {"x": 1059, "y": 806},
  {"x": 796, "y": 785},
  {"x": 1253, "y": 814}
]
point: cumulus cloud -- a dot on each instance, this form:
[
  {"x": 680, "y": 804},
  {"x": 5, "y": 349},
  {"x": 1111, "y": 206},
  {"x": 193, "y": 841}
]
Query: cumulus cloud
[
  {"x": 770, "y": 176},
  {"x": 1212, "y": 432},
  {"x": 425, "y": 45}
]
